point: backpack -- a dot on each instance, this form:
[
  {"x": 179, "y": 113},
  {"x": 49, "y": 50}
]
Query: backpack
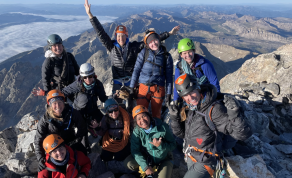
[
  {"x": 227, "y": 141},
  {"x": 76, "y": 165}
]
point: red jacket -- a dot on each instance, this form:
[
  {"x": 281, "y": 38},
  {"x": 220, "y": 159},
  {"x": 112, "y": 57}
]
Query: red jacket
[{"x": 83, "y": 162}]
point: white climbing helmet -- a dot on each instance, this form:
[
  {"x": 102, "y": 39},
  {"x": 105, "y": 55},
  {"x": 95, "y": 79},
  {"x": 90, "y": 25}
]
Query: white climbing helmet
[{"x": 86, "y": 69}]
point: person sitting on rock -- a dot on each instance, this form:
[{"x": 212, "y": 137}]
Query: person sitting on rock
[
  {"x": 194, "y": 65},
  {"x": 115, "y": 128},
  {"x": 62, "y": 161},
  {"x": 203, "y": 143},
  {"x": 62, "y": 119},
  {"x": 153, "y": 71},
  {"x": 87, "y": 90},
  {"x": 123, "y": 53},
  {"x": 59, "y": 68},
  {"x": 151, "y": 145}
]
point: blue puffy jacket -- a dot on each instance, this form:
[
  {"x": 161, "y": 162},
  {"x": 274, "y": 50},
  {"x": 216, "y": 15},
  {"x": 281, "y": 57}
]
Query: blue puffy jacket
[
  {"x": 148, "y": 73},
  {"x": 208, "y": 71}
]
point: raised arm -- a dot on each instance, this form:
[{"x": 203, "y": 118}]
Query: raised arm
[{"x": 101, "y": 34}]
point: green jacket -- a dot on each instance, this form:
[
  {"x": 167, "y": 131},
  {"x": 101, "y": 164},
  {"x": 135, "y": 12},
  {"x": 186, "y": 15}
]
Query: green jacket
[{"x": 141, "y": 139}]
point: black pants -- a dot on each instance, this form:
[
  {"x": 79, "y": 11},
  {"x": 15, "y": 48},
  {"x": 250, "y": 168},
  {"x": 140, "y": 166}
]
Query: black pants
[{"x": 118, "y": 156}]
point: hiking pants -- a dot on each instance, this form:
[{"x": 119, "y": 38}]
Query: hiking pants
[
  {"x": 118, "y": 156},
  {"x": 197, "y": 170},
  {"x": 164, "y": 167},
  {"x": 155, "y": 94}
]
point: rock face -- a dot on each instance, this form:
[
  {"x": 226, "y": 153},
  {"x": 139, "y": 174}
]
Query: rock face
[{"x": 254, "y": 167}]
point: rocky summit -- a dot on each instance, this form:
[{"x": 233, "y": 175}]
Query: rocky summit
[{"x": 261, "y": 82}]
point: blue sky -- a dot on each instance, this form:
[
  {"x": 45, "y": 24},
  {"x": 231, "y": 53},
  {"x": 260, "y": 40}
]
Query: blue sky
[{"x": 96, "y": 2}]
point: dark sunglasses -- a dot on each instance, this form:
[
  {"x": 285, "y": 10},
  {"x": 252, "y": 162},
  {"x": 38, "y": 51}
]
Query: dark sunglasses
[
  {"x": 111, "y": 111},
  {"x": 85, "y": 77}
]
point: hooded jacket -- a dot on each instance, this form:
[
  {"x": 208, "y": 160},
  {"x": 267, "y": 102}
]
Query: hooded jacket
[
  {"x": 48, "y": 125},
  {"x": 140, "y": 141},
  {"x": 53, "y": 67},
  {"x": 196, "y": 132},
  {"x": 120, "y": 67},
  {"x": 83, "y": 161},
  {"x": 86, "y": 100},
  {"x": 148, "y": 73},
  {"x": 207, "y": 68}
]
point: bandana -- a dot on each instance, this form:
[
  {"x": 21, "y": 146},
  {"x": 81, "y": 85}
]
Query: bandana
[{"x": 58, "y": 98}]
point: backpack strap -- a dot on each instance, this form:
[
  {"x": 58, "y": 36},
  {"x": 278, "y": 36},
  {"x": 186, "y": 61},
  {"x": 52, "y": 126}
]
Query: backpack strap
[
  {"x": 77, "y": 166},
  {"x": 146, "y": 55},
  {"x": 50, "y": 172}
]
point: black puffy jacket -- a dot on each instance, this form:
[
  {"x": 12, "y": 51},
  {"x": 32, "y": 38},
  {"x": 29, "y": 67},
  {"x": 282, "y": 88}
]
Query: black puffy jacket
[
  {"x": 53, "y": 67},
  {"x": 86, "y": 100},
  {"x": 120, "y": 68},
  {"x": 197, "y": 133},
  {"x": 48, "y": 125}
]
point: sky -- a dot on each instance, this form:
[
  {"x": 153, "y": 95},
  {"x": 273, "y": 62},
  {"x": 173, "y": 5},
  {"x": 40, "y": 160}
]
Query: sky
[{"x": 150, "y": 2}]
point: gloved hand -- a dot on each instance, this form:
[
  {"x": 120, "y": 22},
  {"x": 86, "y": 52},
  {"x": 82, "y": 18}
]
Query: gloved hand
[
  {"x": 232, "y": 105},
  {"x": 168, "y": 100},
  {"x": 42, "y": 165},
  {"x": 173, "y": 111},
  {"x": 131, "y": 98}
]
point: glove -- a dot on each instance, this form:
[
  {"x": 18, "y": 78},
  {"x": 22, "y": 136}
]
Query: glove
[
  {"x": 131, "y": 98},
  {"x": 173, "y": 111},
  {"x": 168, "y": 100},
  {"x": 232, "y": 105},
  {"x": 42, "y": 165}
]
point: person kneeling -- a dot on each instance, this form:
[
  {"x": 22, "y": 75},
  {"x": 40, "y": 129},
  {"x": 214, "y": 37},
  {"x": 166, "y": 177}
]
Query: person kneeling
[
  {"x": 62, "y": 161},
  {"x": 151, "y": 145}
]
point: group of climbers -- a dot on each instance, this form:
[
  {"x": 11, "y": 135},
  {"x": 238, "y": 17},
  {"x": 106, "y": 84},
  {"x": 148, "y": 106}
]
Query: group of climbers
[{"x": 207, "y": 120}]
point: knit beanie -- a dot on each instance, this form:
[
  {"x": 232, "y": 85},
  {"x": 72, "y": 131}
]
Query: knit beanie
[{"x": 151, "y": 37}]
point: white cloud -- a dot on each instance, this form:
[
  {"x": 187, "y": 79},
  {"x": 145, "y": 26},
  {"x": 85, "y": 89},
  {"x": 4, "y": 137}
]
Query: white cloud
[{"x": 19, "y": 38}]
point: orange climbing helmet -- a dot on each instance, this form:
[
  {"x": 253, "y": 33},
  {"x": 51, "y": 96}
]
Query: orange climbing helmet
[
  {"x": 51, "y": 142},
  {"x": 121, "y": 29},
  {"x": 53, "y": 94},
  {"x": 148, "y": 33},
  {"x": 138, "y": 110}
]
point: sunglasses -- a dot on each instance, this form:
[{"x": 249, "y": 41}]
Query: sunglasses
[
  {"x": 85, "y": 77},
  {"x": 114, "y": 110}
]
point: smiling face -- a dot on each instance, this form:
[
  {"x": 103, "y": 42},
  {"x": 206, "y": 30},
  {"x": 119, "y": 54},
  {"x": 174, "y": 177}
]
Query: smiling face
[
  {"x": 58, "y": 107},
  {"x": 88, "y": 79},
  {"x": 193, "y": 97},
  {"x": 143, "y": 120},
  {"x": 154, "y": 45},
  {"x": 59, "y": 153},
  {"x": 188, "y": 56},
  {"x": 121, "y": 39},
  {"x": 57, "y": 49}
]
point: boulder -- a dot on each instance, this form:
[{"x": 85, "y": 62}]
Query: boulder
[
  {"x": 25, "y": 142},
  {"x": 286, "y": 149},
  {"x": 8, "y": 141},
  {"x": 22, "y": 165},
  {"x": 254, "y": 167},
  {"x": 6, "y": 173},
  {"x": 28, "y": 122}
]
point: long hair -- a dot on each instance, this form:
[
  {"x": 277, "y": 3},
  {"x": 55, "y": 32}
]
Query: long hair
[{"x": 51, "y": 114}]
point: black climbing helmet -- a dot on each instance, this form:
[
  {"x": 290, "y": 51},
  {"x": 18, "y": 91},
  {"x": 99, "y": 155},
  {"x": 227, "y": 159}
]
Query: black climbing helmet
[
  {"x": 185, "y": 85},
  {"x": 54, "y": 39}
]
